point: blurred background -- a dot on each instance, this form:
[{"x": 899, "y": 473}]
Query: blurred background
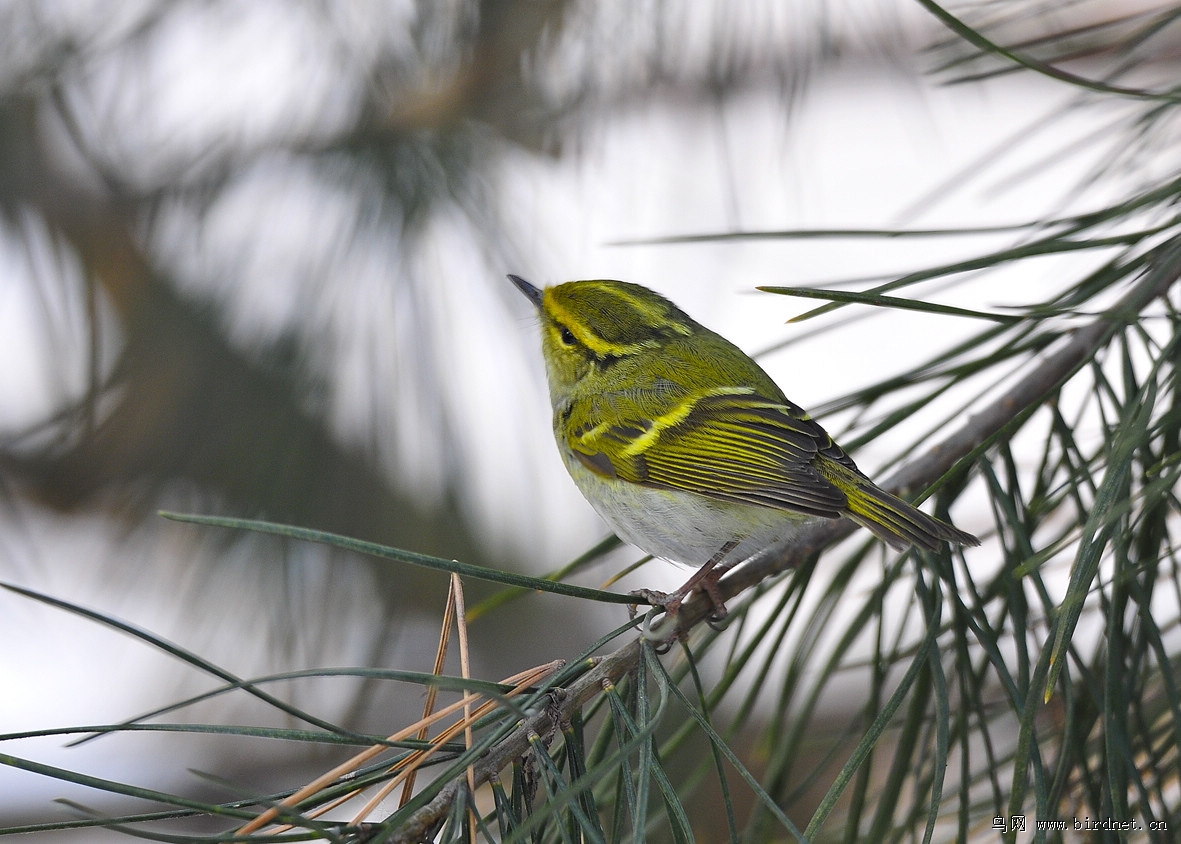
[{"x": 252, "y": 263}]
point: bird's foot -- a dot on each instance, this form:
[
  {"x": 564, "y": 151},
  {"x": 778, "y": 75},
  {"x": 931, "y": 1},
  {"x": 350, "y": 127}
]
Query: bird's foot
[
  {"x": 704, "y": 579},
  {"x": 670, "y": 604}
]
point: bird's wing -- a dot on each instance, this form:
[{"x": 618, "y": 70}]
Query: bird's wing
[{"x": 729, "y": 444}]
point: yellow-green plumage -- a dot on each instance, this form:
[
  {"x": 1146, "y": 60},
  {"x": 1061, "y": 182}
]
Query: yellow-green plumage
[{"x": 684, "y": 444}]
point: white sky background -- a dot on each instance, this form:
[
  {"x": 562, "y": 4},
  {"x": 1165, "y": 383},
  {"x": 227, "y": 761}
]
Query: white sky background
[{"x": 862, "y": 145}]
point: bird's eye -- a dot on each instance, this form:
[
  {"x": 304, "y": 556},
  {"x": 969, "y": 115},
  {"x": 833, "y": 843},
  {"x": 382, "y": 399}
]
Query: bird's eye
[{"x": 567, "y": 336}]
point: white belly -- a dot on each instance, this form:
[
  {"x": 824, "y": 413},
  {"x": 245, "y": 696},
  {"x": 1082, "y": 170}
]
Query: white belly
[{"x": 681, "y": 526}]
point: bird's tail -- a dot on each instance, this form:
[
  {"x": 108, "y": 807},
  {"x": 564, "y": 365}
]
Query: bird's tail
[{"x": 898, "y": 524}]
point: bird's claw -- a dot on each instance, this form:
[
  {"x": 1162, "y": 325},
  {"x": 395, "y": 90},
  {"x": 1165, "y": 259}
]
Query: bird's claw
[{"x": 669, "y": 604}]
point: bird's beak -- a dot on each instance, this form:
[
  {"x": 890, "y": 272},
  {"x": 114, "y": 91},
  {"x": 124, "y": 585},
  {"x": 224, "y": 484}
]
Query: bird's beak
[{"x": 528, "y": 289}]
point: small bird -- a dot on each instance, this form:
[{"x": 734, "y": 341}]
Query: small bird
[{"x": 686, "y": 447}]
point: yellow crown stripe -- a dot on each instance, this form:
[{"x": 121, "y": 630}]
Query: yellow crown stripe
[
  {"x": 569, "y": 320},
  {"x": 656, "y": 317},
  {"x": 656, "y": 314}
]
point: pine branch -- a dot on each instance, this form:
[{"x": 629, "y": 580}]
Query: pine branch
[{"x": 1001, "y": 417}]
